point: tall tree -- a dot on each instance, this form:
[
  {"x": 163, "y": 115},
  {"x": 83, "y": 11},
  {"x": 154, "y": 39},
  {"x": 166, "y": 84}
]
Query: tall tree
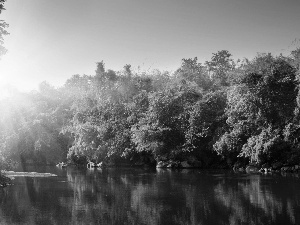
[
  {"x": 221, "y": 63},
  {"x": 192, "y": 71},
  {"x": 3, "y": 31},
  {"x": 258, "y": 110}
]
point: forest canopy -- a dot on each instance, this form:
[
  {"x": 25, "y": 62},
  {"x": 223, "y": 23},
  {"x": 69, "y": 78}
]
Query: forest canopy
[{"x": 218, "y": 113}]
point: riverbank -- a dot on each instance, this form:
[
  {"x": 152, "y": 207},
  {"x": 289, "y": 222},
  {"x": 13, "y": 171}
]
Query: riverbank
[
  {"x": 266, "y": 168},
  {"x": 4, "y": 181}
]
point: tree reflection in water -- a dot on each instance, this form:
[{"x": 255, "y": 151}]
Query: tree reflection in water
[
  {"x": 138, "y": 196},
  {"x": 258, "y": 200}
]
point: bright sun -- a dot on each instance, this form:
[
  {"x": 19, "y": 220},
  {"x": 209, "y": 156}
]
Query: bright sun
[
  {"x": 12, "y": 75},
  {"x": 5, "y": 81},
  {"x": 11, "y": 79},
  {"x": 6, "y": 71}
]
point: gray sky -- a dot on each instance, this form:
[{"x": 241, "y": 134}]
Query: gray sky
[{"x": 54, "y": 39}]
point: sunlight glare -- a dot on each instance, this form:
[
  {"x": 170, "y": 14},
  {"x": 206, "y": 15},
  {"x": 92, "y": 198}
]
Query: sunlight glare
[{"x": 14, "y": 73}]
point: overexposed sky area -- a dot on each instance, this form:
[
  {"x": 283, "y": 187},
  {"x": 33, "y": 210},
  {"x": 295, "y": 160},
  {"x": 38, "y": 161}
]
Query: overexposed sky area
[{"x": 54, "y": 39}]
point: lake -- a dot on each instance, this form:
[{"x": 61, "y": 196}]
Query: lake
[{"x": 150, "y": 196}]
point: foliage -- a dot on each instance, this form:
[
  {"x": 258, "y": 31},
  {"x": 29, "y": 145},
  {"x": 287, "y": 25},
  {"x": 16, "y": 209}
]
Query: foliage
[
  {"x": 3, "y": 31},
  {"x": 258, "y": 109},
  {"x": 30, "y": 129},
  {"x": 221, "y": 63},
  {"x": 244, "y": 110},
  {"x": 160, "y": 129},
  {"x": 194, "y": 72}
]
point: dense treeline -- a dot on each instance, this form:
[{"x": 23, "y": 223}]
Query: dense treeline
[{"x": 219, "y": 113}]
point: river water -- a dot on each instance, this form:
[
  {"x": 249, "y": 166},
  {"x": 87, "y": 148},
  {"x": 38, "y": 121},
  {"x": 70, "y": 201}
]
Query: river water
[{"x": 150, "y": 196}]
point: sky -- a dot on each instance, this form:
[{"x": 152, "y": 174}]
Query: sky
[{"x": 53, "y": 40}]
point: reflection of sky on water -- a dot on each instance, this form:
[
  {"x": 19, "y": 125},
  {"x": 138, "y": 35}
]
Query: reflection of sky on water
[{"x": 137, "y": 196}]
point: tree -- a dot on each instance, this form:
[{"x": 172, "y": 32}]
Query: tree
[
  {"x": 161, "y": 128},
  {"x": 100, "y": 68},
  {"x": 3, "y": 31},
  {"x": 206, "y": 122},
  {"x": 192, "y": 71},
  {"x": 221, "y": 63},
  {"x": 295, "y": 56},
  {"x": 259, "y": 109},
  {"x": 30, "y": 127}
]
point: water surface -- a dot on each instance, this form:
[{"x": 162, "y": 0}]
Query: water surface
[{"x": 150, "y": 196}]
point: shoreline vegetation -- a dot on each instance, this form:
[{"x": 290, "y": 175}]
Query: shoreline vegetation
[
  {"x": 4, "y": 180},
  {"x": 222, "y": 114}
]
